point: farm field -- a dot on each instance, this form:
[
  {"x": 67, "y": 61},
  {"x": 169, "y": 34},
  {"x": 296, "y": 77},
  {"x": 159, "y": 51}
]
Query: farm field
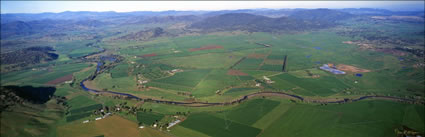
[
  {"x": 111, "y": 126},
  {"x": 339, "y": 120},
  {"x": 354, "y": 72}
]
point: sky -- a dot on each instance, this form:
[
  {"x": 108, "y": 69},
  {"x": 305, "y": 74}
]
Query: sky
[{"x": 128, "y": 6}]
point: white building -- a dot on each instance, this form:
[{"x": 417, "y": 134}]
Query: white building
[{"x": 173, "y": 123}]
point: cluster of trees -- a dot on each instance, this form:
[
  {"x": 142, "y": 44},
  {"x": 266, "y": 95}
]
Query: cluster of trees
[
  {"x": 8, "y": 99},
  {"x": 417, "y": 52},
  {"x": 28, "y": 56},
  {"x": 15, "y": 95}
]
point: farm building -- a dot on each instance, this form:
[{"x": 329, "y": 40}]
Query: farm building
[
  {"x": 332, "y": 70},
  {"x": 173, "y": 123},
  {"x": 268, "y": 80}
]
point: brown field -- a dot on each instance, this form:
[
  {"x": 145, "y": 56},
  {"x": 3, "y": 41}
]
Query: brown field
[
  {"x": 148, "y": 55},
  {"x": 273, "y": 62},
  {"x": 236, "y": 73},
  {"x": 256, "y": 56},
  {"x": 60, "y": 80},
  {"x": 207, "y": 47},
  {"x": 113, "y": 126},
  {"x": 349, "y": 68}
]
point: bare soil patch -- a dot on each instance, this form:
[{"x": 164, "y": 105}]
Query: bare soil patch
[
  {"x": 360, "y": 44},
  {"x": 256, "y": 56},
  {"x": 60, "y": 80},
  {"x": 115, "y": 126},
  {"x": 149, "y": 55},
  {"x": 236, "y": 73},
  {"x": 207, "y": 47},
  {"x": 349, "y": 68}
]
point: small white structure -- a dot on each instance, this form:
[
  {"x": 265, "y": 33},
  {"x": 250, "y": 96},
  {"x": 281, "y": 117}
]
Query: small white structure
[
  {"x": 173, "y": 123},
  {"x": 86, "y": 121},
  {"x": 154, "y": 125},
  {"x": 142, "y": 81},
  {"x": 98, "y": 118},
  {"x": 176, "y": 70},
  {"x": 68, "y": 82},
  {"x": 258, "y": 84},
  {"x": 142, "y": 127},
  {"x": 268, "y": 80}
]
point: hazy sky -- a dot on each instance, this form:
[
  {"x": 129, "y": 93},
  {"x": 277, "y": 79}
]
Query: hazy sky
[{"x": 126, "y": 6}]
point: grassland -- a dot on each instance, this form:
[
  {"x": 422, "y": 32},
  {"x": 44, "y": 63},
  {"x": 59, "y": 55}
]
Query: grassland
[
  {"x": 41, "y": 75},
  {"x": 366, "y": 118},
  {"x": 218, "y": 127},
  {"x": 149, "y": 118},
  {"x": 248, "y": 113},
  {"x": 322, "y": 86},
  {"x": 205, "y": 77},
  {"x": 189, "y": 78}
]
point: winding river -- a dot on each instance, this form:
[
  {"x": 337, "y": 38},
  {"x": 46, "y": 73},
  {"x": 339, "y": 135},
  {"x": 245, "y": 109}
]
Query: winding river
[{"x": 244, "y": 98}]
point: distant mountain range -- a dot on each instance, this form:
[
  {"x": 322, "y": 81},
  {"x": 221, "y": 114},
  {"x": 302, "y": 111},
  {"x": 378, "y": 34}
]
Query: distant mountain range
[
  {"x": 84, "y": 15},
  {"x": 297, "y": 21},
  {"x": 53, "y": 26}
]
